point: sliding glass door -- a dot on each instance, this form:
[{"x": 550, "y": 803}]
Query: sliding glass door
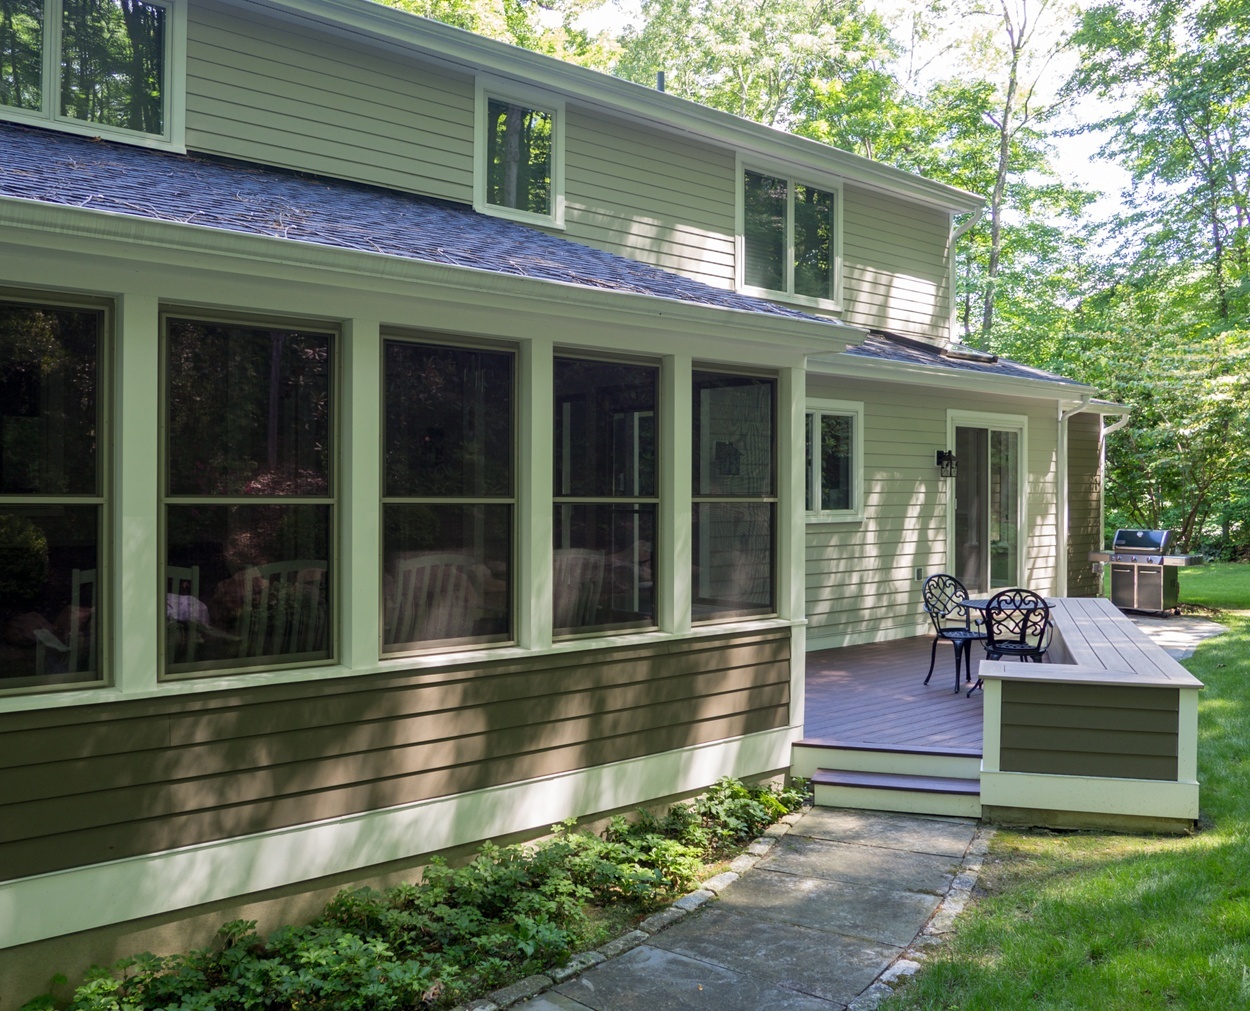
[{"x": 987, "y": 511}]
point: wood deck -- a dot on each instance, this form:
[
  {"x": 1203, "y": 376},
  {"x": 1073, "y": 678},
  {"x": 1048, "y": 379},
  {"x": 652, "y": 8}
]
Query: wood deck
[{"x": 875, "y": 694}]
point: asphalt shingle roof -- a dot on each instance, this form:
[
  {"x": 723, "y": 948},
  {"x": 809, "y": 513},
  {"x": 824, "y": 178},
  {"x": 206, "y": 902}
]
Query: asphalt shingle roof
[
  {"x": 59, "y": 168},
  {"x": 886, "y": 347}
]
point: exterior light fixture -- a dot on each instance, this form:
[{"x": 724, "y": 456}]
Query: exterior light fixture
[{"x": 946, "y": 461}]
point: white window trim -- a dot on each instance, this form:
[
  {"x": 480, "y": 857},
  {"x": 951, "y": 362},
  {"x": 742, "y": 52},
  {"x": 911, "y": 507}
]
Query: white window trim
[
  {"x": 829, "y": 184},
  {"x": 175, "y": 113},
  {"x": 1018, "y": 423},
  {"x": 845, "y": 408},
  {"x": 487, "y": 88}
]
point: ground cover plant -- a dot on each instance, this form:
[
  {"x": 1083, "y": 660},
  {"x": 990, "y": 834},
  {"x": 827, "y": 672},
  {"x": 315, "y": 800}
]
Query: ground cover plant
[
  {"x": 1116, "y": 922},
  {"x": 510, "y": 912}
]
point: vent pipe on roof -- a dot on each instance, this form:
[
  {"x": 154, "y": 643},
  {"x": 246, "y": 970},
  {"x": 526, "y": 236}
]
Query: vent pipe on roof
[{"x": 659, "y": 80}]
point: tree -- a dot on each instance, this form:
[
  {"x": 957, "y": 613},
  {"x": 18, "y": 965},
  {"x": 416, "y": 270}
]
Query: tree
[{"x": 1175, "y": 76}]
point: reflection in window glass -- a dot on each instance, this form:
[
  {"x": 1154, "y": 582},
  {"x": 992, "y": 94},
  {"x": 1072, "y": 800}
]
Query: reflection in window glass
[
  {"x": 21, "y": 54},
  {"x": 50, "y": 503},
  {"x": 829, "y": 460},
  {"x": 518, "y": 157},
  {"x": 735, "y": 495},
  {"x": 764, "y": 230},
  {"x": 813, "y": 242},
  {"x": 246, "y": 584},
  {"x": 447, "y": 574},
  {"x": 249, "y": 515},
  {"x": 113, "y": 63},
  {"x": 249, "y": 410},
  {"x": 605, "y": 449},
  {"x": 447, "y": 555}
]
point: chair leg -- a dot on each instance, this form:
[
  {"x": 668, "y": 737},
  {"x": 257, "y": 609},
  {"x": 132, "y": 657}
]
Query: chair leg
[
  {"x": 960, "y": 653},
  {"x": 932, "y": 659}
]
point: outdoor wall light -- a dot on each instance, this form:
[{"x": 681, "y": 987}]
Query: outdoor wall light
[{"x": 946, "y": 461}]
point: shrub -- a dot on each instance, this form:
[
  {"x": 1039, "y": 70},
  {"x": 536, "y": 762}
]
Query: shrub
[{"x": 510, "y": 912}]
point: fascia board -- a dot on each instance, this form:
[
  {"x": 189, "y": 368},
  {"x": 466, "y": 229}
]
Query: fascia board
[
  {"x": 472, "y": 54},
  {"x": 951, "y": 379},
  {"x": 121, "y": 236}
]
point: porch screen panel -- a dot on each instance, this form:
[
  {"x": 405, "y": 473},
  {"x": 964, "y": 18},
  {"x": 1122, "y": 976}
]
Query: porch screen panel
[
  {"x": 735, "y": 498},
  {"x": 52, "y": 577},
  {"x": 249, "y": 509},
  {"x": 605, "y": 517},
  {"x": 447, "y": 507}
]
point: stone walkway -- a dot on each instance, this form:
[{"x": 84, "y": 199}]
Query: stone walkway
[{"x": 821, "y": 915}]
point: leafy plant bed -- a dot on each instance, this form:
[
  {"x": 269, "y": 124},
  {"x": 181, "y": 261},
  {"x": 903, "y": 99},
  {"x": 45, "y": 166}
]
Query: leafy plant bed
[{"x": 511, "y": 912}]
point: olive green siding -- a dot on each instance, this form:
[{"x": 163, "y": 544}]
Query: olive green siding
[
  {"x": 90, "y": 783},
  {"x": 1084, "y": 503},
  {"x": 1090, "y": 730},
  {"x": 861, "y": 583}
]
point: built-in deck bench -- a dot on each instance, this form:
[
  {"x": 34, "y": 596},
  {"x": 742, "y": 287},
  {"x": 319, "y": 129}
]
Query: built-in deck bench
[{"x": 1104, "y": 734}]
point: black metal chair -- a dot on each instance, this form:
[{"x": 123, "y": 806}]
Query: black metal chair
[
  {"x": 952, "y": 622},
  {"x": 1017, "y": 623}
]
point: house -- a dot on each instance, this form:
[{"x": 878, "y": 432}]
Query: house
[{"x": 408, "y": 440}]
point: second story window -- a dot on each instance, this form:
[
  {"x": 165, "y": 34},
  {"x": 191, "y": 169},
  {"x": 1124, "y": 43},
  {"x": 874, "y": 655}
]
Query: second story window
[
  {"x": 98, "y": 66},
  {"x": 790, "y": 239},
  {"x": 519, "y": 155}
]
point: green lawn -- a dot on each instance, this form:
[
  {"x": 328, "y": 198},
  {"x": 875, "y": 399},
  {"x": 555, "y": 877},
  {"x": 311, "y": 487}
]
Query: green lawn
[{"x": 1105, "y": 921}]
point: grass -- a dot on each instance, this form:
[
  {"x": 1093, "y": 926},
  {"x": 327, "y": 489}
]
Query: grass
[{"x": 1116, "y": 922}]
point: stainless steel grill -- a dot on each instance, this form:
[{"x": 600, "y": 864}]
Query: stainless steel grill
[{"x": 1143, "y": 570}]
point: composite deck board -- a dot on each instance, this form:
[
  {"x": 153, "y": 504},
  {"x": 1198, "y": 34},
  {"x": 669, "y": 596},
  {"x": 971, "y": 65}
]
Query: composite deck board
[{"x": 874, "y": 694}]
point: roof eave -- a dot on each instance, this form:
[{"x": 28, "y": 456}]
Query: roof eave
[
  {"x": 402, "y": 32},
  {"x": 963, "y": 380}
]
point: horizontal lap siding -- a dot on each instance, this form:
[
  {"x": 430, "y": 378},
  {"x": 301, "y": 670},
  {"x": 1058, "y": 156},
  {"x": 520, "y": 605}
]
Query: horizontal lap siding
[
  {"x": 92, "y": 783},
  {"x": 1084, "y": 503},
  {"x": 279, "y": 94},
  {"x": 894, "y": 264},
  {"x": 860, "y": 578},
  {"x": 1089, "y": 730},
  {"x": 650, "y": 196}
]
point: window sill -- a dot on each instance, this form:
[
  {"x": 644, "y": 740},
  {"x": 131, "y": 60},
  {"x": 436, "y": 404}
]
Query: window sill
[{"x": 828, "y": 518}]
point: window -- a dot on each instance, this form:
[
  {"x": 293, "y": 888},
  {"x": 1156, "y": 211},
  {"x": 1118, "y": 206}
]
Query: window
[
  {"x": 448, "y": 495},
  {"x": 93, "y": 66},
  {"x": 791, "y": 234},
  {"x": 249, "y": 507},
  {"x": 735, "y": 495},
  {"x": 52, "y": 612},
  {"x": 834, "y": 460},
  {"x": 605, "y": 495},
  {"x": 520, "y": 155}
]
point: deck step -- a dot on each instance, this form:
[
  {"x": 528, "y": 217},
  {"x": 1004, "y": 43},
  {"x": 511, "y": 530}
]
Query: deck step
[
  {"x": 891, "y": 791},
  {"x": 810, "y": 754}
]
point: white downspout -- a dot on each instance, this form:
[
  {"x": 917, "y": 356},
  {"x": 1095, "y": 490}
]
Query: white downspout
[
  {"x": 1115, "y": 426},
  {"x": 1064, "y": 518},
  {"x": 956, "y": 235}
]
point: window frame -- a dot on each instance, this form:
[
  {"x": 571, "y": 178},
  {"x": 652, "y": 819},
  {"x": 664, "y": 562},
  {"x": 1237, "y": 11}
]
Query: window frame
[
  {"x": 172, "y": 137},
  {"x": 572, "y": 499},
  {"x": 773, "y": 500},
  {"x": 816, "y": 180},
  {"x": 487, "y": 88},
  {"x": 102, "y": 498},
  {"x": 336, "y": 578},
  {"x": 816, "y": 409},
  {"x": 402, "y": 336}
]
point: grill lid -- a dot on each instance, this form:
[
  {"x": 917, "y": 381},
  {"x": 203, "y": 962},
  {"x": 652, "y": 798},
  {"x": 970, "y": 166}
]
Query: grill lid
[{"x": 1147, "y": 542}]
